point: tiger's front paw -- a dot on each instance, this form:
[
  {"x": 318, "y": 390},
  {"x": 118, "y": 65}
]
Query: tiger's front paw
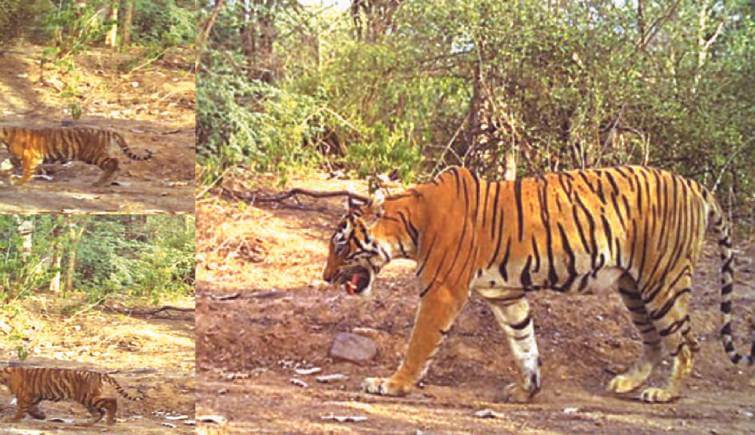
[
  {"x": 385, "y": 387},
  {"x": 657, "y": 395}
]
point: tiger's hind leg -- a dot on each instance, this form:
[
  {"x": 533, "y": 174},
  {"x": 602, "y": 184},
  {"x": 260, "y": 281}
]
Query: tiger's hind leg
[
  {"x": 512, "y": 311},
  {"x": 100, "y": 407},
  {"x": 670, "y": 316},
  {"x": 651, "y": 341},
  {"x": 97, "y": 415},
  {"x": 109, "y": 168},
  {"x": 37, "y": 413}
]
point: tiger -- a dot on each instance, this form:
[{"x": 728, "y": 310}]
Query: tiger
[
  {"x": 30, "y": 147},
  {"x": 31, "y": 385},
  {"x": 635, "y": 229}
]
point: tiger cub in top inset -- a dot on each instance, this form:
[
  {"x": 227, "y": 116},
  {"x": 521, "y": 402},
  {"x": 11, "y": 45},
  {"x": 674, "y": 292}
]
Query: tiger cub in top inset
[
  {"x": 30, "y": 147},
  {"x": 33, "y": 385}
]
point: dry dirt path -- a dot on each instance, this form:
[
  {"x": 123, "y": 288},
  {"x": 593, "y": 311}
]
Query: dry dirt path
[
  {"x": 152, "y": 107},
  {"x": 281, "y": 316}
]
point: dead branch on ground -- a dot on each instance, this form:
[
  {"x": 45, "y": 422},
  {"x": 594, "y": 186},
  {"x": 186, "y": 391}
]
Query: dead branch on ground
[
  {"x": 146, "y": 312},
  {"x": 255, "y": 197}
]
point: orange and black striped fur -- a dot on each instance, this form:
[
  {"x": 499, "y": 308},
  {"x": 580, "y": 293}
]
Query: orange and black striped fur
[
  {"x": 33, "y": 385},
  {"x": 635, "y": 229},
  {"x": 30, "y": 147}
]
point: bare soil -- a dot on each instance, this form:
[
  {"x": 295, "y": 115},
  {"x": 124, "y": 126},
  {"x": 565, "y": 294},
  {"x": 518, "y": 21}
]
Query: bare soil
[
  {"x": 151, "y": 106},
  {"x": 262, "y": 311},
  {"x": 148, "y": 354}
]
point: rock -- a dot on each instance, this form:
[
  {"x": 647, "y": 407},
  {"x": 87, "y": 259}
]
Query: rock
[
  {"x": 487, "y": 413},
  {"x": 335, "y": 377},
  {"x": 344, "y": 418},
  {"x": 217, "y": 419},
  {"x": 307, "y": 371},
  {"x": 353, "y": 347},
  {"x": 298, "y": 382}
]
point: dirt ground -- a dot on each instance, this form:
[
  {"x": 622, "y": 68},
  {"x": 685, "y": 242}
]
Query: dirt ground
[
  {"x": 151, "y": 106},
  {"x": 148, "y": 354},
  {"x": 263, "y": 311}
]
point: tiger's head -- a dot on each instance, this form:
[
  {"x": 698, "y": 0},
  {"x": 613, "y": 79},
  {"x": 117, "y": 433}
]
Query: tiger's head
[{"x": 358, "y": 248}]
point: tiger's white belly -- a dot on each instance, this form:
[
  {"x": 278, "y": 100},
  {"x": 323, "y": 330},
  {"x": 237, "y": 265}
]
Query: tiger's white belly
[{"x": 491, "y": 279}]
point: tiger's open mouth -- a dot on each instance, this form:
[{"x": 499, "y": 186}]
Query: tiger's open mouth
[{"x": 356, "y": 280}]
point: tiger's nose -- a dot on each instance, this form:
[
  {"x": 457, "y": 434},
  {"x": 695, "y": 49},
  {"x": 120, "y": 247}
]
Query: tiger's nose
[{"x": 328, "y": 275}]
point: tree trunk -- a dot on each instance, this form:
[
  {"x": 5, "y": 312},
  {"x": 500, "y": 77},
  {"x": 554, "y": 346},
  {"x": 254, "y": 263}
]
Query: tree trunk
[
  {"x": 509, "y": 162},
  {"x": 125, "y": 19},
  {"x": 111, "y": 38},
  {"x": 75, "y": 231},
  {"x": 25, "y": 230},
  {"x": 57, "y": 257},
  {"x": 204, "y": 35}
]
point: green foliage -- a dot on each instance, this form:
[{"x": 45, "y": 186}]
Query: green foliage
[
  {"x": 271, "y": 139},
  {"x": 19, "y": 275},
  {"x": 73, "y": 27},
  {"x": 164, "y": 23},
  {"x": 385, "y": 151},
  {"x": 151, "y": 261},
  {"x": 569, "y": 84},
  {"x": 13, "y": 12},
  {"x": 139, "y": 256}
]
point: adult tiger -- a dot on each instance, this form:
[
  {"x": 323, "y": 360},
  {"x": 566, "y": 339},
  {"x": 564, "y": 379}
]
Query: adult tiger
[
  {"x": 635, "y": 228},
  {"x": 30, "y": 147},
  {"x": 32, "y": 385}
]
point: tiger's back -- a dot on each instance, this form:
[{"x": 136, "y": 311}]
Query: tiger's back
[
  {"x": 32, "y": 385},
  {"x": 30, "y": 147}
]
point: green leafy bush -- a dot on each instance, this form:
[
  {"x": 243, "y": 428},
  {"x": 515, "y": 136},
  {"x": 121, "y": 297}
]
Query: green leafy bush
[{"x": 164, "y": 22}]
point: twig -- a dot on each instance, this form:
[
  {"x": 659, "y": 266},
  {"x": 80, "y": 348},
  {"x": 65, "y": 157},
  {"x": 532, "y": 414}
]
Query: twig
[
  {"x": 448, "y": 148},
  {"x": 256, "y": 197},
  {"x": 211, "y": 185},
  {"x": 724, "y": 168},
  {"x": 145, "y": 312}
]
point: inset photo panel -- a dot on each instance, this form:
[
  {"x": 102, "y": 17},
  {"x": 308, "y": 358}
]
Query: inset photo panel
[
  {"x": 97, "y": 324},
  {"x": 97, "y": 106}
]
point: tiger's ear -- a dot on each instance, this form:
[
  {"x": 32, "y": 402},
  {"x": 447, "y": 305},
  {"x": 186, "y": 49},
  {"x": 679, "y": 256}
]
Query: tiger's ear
[
  {"x": 378, "y": 198},
  {"x": 354, "y": 203},
  {"x": 376, "y": 205}
]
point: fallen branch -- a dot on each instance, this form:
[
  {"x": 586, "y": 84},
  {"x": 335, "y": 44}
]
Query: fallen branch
[
  {"x": 252, "y": 197},
  {"x": 147, "y": 312}
]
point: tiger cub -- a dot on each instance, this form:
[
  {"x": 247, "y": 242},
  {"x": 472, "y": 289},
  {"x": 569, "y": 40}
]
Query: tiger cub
[
  {"x": 32, "y": 385},
  {"x": 30, "y": 147}
]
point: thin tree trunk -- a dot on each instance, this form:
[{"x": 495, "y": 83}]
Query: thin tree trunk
[
  {"x": 509, "y": 162},
  {"x": 57, "y": 257},
  {"x": 75, "y": 231},
  {"x": 25, "y": 231},
  {"x": 111, "y": 38},
  {"x": 125, "y": 19},
  {"x": 204, "y": 35}
]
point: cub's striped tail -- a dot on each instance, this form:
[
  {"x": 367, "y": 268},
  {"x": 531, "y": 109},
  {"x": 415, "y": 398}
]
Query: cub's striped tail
[
  {"x": 109, "y": 379},
  {"x": 127, "y": 151},
  {"x": 723, "y": 232}
]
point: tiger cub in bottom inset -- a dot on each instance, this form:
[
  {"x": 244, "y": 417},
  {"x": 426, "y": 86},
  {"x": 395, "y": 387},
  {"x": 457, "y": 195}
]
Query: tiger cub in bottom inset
[
  {"x": 30, "y": 147},
  {"x": 32, "y": 385}
]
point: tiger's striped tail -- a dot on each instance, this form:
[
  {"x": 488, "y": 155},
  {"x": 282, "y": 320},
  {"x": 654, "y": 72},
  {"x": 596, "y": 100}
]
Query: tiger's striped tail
[
  {"x": 723, "y": 231},
  {"x": 110, "y": 380},
  {"x": 127, "y": 151}
]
